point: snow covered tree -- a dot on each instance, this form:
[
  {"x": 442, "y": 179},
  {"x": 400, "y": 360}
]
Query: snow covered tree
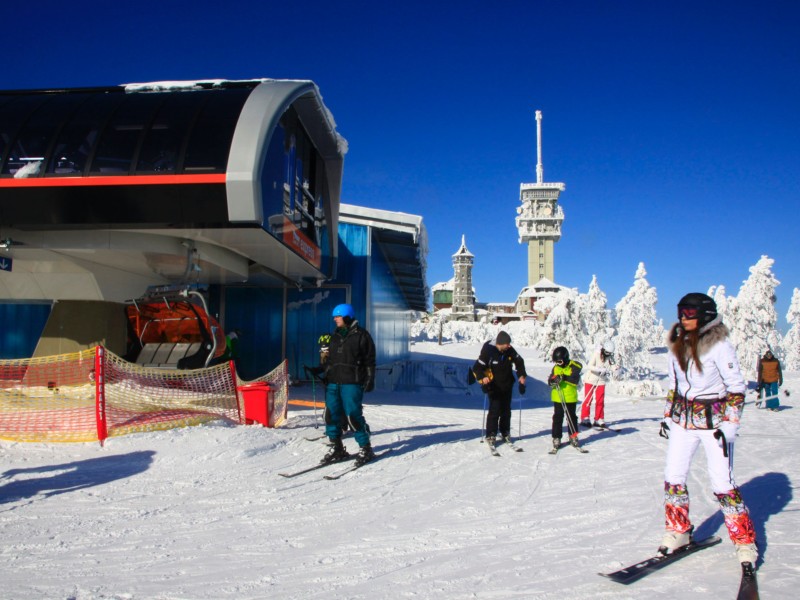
[
  {"x": 717, "y": 293},
  {"x": 791, "y": 343},
  {"x": 596, "y": 321},
  {"x": 562, "y": 325},
  {"x": 752, "y": 317},
  {"x": 638, "y": 330}
]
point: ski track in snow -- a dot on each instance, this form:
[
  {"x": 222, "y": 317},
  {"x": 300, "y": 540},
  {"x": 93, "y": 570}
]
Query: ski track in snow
[{"x": 200, "y": 513}]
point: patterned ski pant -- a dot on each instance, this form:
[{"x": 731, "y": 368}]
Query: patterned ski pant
[{"x": 682, "y": 446}]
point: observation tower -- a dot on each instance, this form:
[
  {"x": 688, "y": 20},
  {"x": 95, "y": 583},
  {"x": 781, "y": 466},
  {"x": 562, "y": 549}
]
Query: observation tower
[{"x": 539, "y": 218}]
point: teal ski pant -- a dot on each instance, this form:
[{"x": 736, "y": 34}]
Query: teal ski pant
[{"x": 346, "y": 399}]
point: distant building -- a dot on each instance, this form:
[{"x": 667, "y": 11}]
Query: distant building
[
  {"x": 455, "y": 299},
  {"x": 526, "y": 301},
  {"x": 540, "y": 217}
]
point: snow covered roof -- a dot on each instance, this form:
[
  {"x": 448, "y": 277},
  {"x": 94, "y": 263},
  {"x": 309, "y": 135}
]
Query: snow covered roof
[
  {"x": 404, "y": 240},
  {"x": 462, "y": 250},
  {"x": 444, "y": 285},
  {"x": 544, "y": 285}
]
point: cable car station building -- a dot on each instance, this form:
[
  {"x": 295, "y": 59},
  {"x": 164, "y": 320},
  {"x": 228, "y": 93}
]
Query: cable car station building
[{"x": 233, "y": 186}]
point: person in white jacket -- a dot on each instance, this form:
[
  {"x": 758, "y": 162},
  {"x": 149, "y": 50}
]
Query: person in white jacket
[
  {"x": 594, "y": 384},
  {"x": 703, "y": 408}
]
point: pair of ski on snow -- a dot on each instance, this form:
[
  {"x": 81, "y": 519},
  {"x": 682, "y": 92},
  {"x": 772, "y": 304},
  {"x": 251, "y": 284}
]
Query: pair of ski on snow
[
  {"x": 748, "y": 586},
  {"x": 508, "y": 444},
  {"x": 349, "y": 461}
]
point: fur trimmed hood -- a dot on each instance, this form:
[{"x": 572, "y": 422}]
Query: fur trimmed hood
[{"x": 710, "y": 334}]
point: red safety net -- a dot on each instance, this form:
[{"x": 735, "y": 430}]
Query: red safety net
[{"x": 94, "y": 394}]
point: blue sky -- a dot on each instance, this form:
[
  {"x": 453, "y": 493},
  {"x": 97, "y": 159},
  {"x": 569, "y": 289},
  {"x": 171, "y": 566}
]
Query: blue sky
[{"x": 675, "y": 125}]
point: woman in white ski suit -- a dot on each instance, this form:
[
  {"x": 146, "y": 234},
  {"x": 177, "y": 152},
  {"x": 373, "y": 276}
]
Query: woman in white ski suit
[{"x": 703, "y": 407}]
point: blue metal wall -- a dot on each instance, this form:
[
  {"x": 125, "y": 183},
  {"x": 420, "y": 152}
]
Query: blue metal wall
[
  {"x": 258, "y": 312},
  {"x": 390, "y": 317}
]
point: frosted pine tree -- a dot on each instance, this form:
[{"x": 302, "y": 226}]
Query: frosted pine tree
[
  {"x": 596, "y": 321},
  {"x": 717, "y": 293},
  {"x": 638, "y": 330},
  {"x": 562, "y": 325},
  {"x": 791, "y": 343},
  {"x": 752, "y": 317}
]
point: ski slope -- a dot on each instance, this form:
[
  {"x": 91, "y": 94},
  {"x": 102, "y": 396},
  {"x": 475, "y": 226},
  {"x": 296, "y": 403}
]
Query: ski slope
[{"x": 201, "y": 513}]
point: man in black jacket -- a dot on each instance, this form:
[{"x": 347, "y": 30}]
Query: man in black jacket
[
  {"x": 350, "y": 372},
  {"x": 494, "y": 371}
]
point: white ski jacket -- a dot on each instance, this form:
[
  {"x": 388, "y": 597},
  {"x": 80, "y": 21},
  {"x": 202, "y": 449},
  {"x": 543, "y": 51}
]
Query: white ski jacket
[
  {"x": 720, "y": 376},
  {"x": 597, "y": 371}
]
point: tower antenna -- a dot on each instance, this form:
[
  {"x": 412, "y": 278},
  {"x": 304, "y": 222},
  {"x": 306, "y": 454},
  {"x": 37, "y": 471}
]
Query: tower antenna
[{"x": 539, "y": 166}]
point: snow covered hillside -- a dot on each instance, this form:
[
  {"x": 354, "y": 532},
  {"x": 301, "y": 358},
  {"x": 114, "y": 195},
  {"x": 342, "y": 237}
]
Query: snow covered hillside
[{"x": 201, "y": 513}]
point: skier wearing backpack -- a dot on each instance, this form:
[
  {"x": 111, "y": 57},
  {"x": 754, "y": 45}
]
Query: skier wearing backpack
[{"x": 703, "y": 408}]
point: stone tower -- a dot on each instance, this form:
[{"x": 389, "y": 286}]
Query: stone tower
[
  {"x": 540, "y": 217},
  {"x": 463, "y": 308}
]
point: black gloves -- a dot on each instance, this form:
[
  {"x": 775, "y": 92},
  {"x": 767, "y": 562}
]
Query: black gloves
[
  {"x": 664, "y": 432},
  {"x": 369, "y": 382},
  {"x": 521, "y": 389}
]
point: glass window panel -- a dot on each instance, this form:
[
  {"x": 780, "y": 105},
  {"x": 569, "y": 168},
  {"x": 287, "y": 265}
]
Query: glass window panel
[
  {"x": 210, "y": 139},
  {"x": 34, "y": 139},
  {"x": 13, "y": 115},
  {"x": 79, "y": 135},
  {"x": 119, "y": 140},
  {"x": 164, "y": 139}
]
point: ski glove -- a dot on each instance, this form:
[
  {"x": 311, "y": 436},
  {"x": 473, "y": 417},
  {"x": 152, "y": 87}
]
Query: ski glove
[
  {"x": 369, "y": 383},
  {"x": 726, "y": 430},
  {"x": 664, "y": 432},
  {"x": 554, "y": 380},
  {"x": 521, "y": 389}
]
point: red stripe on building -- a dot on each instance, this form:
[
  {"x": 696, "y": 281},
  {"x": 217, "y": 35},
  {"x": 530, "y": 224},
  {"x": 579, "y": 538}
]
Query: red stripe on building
[{"x": 36, "y": 182}]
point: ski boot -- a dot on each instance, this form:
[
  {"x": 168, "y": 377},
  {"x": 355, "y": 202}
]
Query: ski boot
[
  {"x": 673, "y": 540},
  {"x": 336, "y": 453},
  {"x": 365, "y": 455},
  {"x": 586, "y": 423},
  {"x": 747, "y": 553},
  {"x": 556, "y": 445}
]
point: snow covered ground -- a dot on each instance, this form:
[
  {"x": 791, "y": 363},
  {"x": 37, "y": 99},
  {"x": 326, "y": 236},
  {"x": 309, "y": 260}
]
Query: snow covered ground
[{"x": 201, "y": 513}]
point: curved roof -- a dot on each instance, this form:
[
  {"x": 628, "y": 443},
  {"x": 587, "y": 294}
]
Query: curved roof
[{"x": 161, "y": 181}]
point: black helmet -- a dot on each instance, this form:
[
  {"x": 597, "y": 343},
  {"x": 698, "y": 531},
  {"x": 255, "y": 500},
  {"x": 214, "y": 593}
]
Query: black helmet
[
  {"x": 561, "y": 354},
  {"x": 704, "y": 305}
]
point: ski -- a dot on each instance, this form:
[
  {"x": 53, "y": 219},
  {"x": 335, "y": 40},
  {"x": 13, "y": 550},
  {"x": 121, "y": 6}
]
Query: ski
[
  {"x": 315, "y": 438},
  {"x": 579, "y": 449},
  {"x": 605, "y": 428},
  {"x": 512, "y": 446},
  {"x": 492, "y": 448},
  {"x": 654, "y": 563},
  {"x": 748, "y": 588},
  {"x": 315, "y": 467},
  {"x": 355, "y": 466},
  {"x": 599, "y": 427}
]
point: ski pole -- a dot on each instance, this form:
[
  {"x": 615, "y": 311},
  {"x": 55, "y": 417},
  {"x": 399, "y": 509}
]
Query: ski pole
[
  {"x": 572, "y": 426},
  {"x": 483, "y": 418},
  {"x": 313, "y": 394},
  {"x": 314, "y": 397},
  {"x": 519, "y": 427}
]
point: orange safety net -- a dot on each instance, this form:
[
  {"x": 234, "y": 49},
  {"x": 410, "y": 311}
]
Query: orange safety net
[{"x": 93, "y": 394}]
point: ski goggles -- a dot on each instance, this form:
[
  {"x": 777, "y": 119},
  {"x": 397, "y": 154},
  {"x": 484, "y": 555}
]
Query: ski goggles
[{"x": 688, "y": 312}]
